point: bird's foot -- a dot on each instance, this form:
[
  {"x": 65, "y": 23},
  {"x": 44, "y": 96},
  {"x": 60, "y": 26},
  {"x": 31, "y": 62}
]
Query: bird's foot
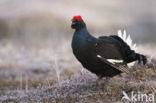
[{"x": 103, "y": 81}]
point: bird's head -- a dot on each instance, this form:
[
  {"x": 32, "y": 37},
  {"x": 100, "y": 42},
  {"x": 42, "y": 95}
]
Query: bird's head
[{"x": 77, "y": 22}]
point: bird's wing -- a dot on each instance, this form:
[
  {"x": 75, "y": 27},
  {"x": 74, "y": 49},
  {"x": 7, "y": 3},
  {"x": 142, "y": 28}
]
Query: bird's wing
[
  {"x": 110, "y": 52},
  {"x": 109, "y": 48},
  {"x": 118, "y": 66}
]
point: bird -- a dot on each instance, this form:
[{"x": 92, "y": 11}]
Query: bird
[{"x": 105, "y": 56}]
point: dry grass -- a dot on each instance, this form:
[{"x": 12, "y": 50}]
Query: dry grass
[
  {"x": 84, "y": 87},
  {"x": 35, "y": 65},
  {"x": 35, "y": 75}
]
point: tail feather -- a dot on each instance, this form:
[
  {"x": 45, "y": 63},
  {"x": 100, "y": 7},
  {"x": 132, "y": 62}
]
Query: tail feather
[
  {"x": 131, "y": 48},
  {"x": 127, "y": 39}
]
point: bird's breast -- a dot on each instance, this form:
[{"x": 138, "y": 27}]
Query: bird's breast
[{"x": 82, "y": 49}]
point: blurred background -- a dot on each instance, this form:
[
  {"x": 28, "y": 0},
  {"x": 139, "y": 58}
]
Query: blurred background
[
  {"x": 42, "y": 20},
  {"x": 35, "y": 35}
]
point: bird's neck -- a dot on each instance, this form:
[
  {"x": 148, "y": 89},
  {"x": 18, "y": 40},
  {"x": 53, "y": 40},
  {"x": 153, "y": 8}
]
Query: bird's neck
[
  {"x": 82, "y": 35},
  {"x": 82, "y": 25},
  {"x": 83, "y": 29}
]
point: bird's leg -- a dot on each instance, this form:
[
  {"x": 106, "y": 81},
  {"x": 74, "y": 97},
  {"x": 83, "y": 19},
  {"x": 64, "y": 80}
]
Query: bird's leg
[
  {"x": 107, "y": 80},
  {"x": 102, "y": 83},
  {"x": 98, "y": 82},
  {"x": 101, "y": 80}
]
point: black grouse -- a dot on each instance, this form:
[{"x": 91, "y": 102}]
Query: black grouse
[{"x": 105, "y": 56}]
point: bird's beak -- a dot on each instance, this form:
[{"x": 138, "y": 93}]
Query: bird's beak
[{"x": 73, "y": 22}]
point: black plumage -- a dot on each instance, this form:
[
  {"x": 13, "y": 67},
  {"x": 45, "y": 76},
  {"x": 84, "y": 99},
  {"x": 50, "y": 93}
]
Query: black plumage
[{"x": 93, "y": 52}]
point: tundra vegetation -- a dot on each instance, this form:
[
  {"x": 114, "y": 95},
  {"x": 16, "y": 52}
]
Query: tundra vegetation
[{"x": 36, "y": 60}]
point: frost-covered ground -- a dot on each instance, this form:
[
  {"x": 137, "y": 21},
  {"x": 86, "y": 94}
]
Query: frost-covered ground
[
  {"x": 51, "y": 74},
  {"x": 85, "y": 88},
  {"x": 32, "y": 66}
]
